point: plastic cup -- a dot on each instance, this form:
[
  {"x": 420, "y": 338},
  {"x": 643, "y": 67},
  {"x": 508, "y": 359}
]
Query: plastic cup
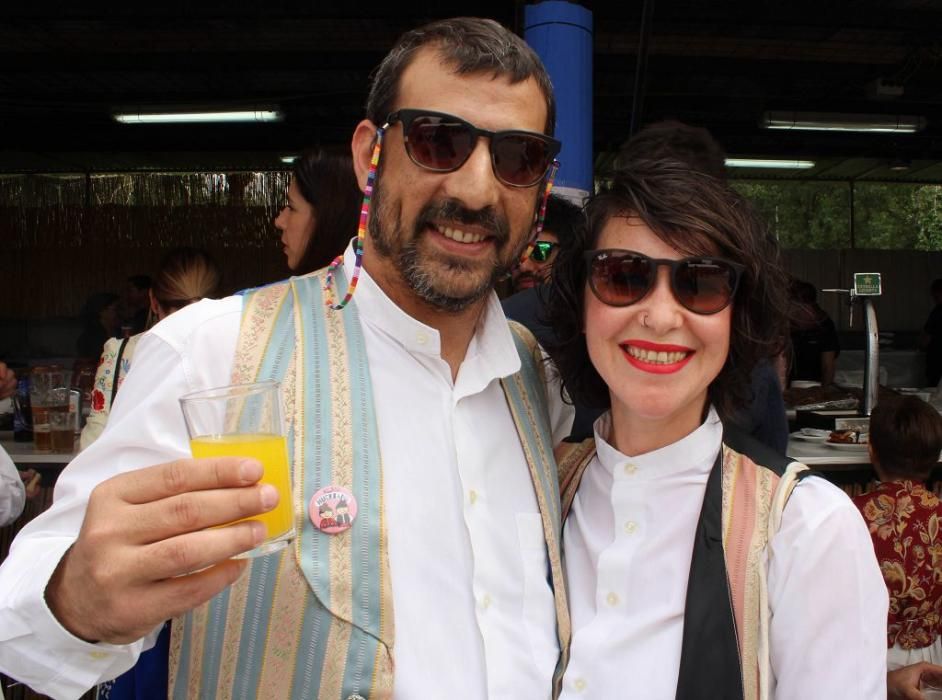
[
  {"x": 62, "y": 421},
  {"x": 245, "y": 420}
]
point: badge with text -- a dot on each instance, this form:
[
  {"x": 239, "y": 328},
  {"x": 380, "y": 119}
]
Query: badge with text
[{"x": 332, "y": 509}]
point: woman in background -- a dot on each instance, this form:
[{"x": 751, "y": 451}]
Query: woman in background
[
  {"x": 185, "y": 275},
  {"x": 905, "y": 521},
  {"x": 322, "y": 210}
]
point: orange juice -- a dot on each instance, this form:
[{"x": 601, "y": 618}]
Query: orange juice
[{"x": 272, "y": 452}]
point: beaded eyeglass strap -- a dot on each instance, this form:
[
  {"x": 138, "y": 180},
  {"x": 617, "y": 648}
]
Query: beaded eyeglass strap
[{"x": 361, "y": 233}]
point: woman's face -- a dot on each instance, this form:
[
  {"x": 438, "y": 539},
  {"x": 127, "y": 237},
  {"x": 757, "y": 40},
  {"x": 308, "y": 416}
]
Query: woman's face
[
  {"x": 296, "y": 223},
  {"x": 657, "y": 357}
]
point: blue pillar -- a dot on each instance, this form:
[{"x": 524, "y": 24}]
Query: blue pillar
[{"x": 561, "y": 33}]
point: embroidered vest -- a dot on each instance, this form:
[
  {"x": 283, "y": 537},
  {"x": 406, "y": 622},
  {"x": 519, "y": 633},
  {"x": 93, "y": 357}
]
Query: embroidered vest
[
  {"x": 316, "y": 619},
  {"x": 725, "y": 648}
]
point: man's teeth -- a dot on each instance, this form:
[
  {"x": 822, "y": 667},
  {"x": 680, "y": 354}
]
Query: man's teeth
[
  {"x": 656, "y": 357},
  {"x": 461, "y": 236}
]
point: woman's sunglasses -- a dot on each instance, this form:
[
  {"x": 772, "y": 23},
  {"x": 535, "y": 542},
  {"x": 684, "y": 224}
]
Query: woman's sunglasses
[
  {"x": 702, "y": 285},
  {"x": 443, "y": 143},
  {"x": 542, "y": 250}
]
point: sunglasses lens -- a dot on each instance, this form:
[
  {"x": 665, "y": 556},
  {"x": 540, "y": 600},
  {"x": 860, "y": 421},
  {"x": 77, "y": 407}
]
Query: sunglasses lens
[
  {"x": 620, "y": 280},
  {"x": 520, "y": 159},
  {"x": 437, "y": 144},
  {"x": 541, "y": 251},
  {"x": 704, "y": 286}
]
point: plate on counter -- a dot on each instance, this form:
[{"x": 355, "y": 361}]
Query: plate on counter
[
  {"x": 848, "y": 446},
  {"x": 811, "y": 435}
]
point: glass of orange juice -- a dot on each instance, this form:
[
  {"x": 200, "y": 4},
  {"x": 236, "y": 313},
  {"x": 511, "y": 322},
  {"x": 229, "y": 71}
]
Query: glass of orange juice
[{"x": 245, "y": 420}]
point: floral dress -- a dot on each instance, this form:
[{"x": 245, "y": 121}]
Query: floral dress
[
  {"x": 905, "y": 522},
  {"x": 108, "y": 372}
]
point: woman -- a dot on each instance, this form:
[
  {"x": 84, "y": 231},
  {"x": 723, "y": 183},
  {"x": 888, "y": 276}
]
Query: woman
[
  {"x": 322, "y": 210},
  {"x": 904, "y": 517},
  {"x": 686, "y": 578},
  {"x": 185, "y": 275}
]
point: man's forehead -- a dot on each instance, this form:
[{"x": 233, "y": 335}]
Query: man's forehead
[{"x": 432, "y": 81}]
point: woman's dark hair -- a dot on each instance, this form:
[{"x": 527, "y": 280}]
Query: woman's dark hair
[
  {"x": 327, "y": 181},
  {"x": 906, "y": 437},
  {"x": 470, "y": 45},
  {"x": 697, "y": 214}
]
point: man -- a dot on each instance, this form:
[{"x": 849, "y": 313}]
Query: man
[
  {"x": 137, "y": 300},
  {"x": 473, "y": 605},
  {"x": 931, "y": 339},
  {"x": 534, "y": 269}
]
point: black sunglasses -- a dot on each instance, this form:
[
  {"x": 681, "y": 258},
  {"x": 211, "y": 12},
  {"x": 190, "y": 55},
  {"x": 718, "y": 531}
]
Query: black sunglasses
[
  {"x": 443, "y": 143},
  {"x": 703, "y": 285},
  {"x": 542, "y": 250}
]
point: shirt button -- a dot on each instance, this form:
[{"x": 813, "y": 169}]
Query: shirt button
[
  {"x": 631, "y": 527},
  {"x": 472, "y": 496},
  {"x": 99, "y": 654},
  {"x": 421, "y": 338},
  {"x": 579, "y": 685},
  {"x": 486, "y": 601},
  {"x": 612, "y": 599},
  {"x": 630, "y": 468}
]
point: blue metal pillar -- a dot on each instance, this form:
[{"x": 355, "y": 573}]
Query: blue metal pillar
[{"x": 561, "y": 33}]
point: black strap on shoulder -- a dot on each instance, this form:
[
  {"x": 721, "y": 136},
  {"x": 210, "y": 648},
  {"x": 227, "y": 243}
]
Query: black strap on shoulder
[
  {"x": 710, "y": 668},
  {"x": 117, "y": 371}
]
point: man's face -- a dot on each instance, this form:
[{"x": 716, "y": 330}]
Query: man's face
[
  {"x": 445, "y": 238},
  {"x": 535, "y": 269}
]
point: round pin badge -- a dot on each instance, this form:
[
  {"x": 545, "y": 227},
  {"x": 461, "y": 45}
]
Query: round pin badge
[{"x": 332, "y": 509}]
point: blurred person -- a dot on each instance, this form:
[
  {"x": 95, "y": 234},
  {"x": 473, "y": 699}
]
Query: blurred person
[
  {"x": 100, "y": 321},
  {"x": 12, "y": 490},
  {"x": 562, "y": 216},
  {"x": 322, "y": 210},
  {"x": 814, "y": 341},
  {"x": 137, "y": 303},
  {"x": 455, "y": 160},
  {"x": 185, "y": 275},
  {"x": 7, "y": 381},
  {"x": 932, "y": 336},
  {"x": 903, "y": 516},
  {"x": 696, "y": 556}
]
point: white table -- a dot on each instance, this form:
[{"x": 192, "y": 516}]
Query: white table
[
  {"x": 25, "y": 453},
  {"x": 817, "y": 454}
]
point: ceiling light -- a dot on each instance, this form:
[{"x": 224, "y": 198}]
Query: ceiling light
[
  {"x": 197, "y": 117},
  {"x": 288, "y": 159},
  {"x": 769, "y": 163},
  {"x": 828, "y": 121}
]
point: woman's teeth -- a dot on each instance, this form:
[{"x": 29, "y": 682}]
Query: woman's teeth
[
  {"x": 461, "y": 236},
  {"x": 655, "y": 357}
]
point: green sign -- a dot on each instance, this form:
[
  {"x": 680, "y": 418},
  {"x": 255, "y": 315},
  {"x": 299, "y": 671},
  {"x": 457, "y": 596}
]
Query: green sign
[{"x": 867, "y": 284}]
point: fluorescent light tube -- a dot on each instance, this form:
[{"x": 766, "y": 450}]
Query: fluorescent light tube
[
  {"x": 769, "y": 163},
  {"x": 288, "y": 159},
  {"x": 197, "y": 117},
  {"x": 825, "y": 121}
]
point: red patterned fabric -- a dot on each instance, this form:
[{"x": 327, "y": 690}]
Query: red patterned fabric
[{"x": 904, "y": 520}]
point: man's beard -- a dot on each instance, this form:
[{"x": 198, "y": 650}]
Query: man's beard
[{"x": 420, "y": 273}]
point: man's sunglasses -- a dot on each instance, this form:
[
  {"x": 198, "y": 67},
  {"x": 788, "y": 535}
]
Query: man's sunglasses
[
  {"x": 702, "y": 285},
  {"x": 542, "y": 250},
  {"x": 443, "y": 143}
]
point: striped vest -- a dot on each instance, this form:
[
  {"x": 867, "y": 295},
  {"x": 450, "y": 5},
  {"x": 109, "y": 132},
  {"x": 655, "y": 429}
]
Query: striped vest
[
  {"x": 725, "y": 648},
  {"x": 316, "y": 619}
]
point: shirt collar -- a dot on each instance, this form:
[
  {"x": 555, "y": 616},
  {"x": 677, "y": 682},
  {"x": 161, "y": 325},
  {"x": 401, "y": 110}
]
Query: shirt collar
[
  {"x": 491, "y": 353},
  {"x": 692, "y": 455}
]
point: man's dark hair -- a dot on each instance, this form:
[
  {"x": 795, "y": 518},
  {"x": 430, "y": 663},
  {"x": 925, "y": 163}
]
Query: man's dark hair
[
  {"x": 141, "y": 282},
  {"x": 562, "y": 218},
  {"x": 674, "y": 140},
  {"x": 698, "y": 215},
  {"x": 327, "y": 181},
  {"x": 936, "y": 286},
  {"x": 469, "y": 45},
  {"x": 906, "y": 437}
]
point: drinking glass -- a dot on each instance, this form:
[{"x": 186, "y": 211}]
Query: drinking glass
[{"x": 245, "y": 420}]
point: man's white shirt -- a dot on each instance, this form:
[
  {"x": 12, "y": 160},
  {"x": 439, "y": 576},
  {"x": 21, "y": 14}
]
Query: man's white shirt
[{"x": 474, "y": 611}]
